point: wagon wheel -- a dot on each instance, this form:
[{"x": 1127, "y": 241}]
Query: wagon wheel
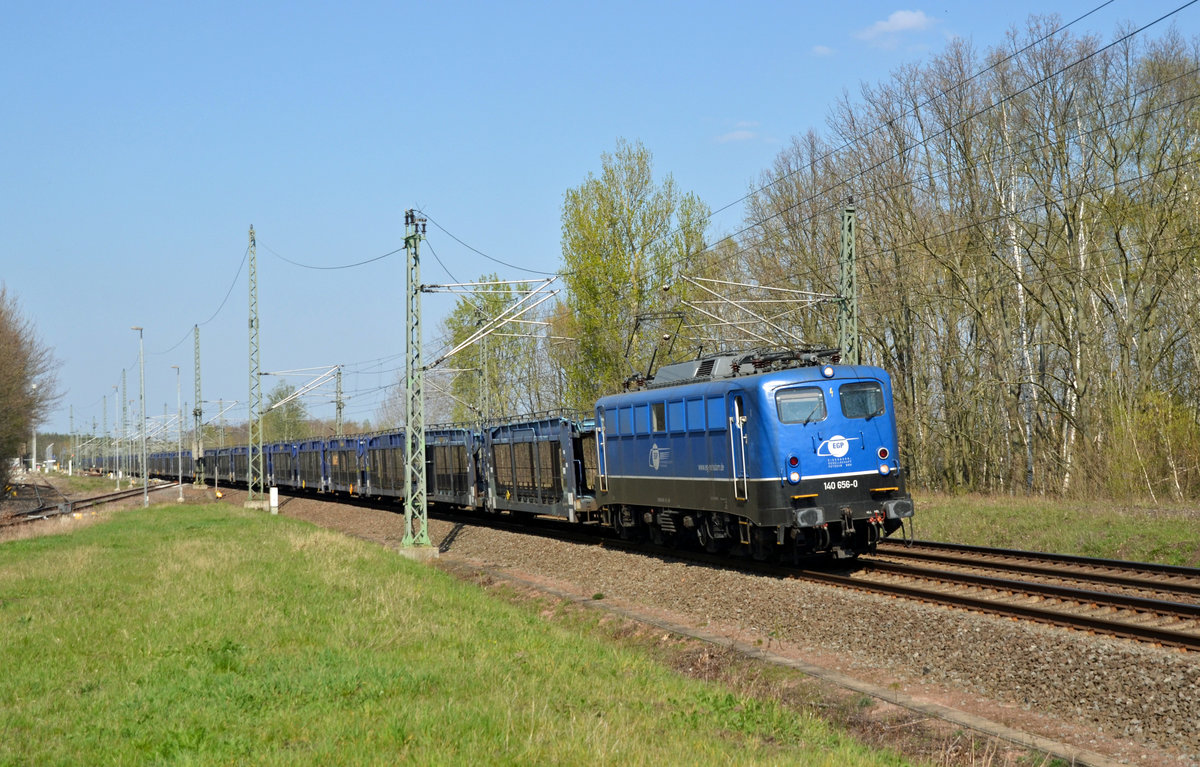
[
  {"x": 708, "y": 541},
  {"x": 762, "y": 547},
  {"x": 624, "y": 531}
]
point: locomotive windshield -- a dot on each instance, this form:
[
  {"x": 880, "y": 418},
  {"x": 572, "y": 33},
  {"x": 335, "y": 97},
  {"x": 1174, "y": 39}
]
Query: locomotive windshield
[
  {"x": 800, "y": 405},
  {"x": 861, "y": 400}
]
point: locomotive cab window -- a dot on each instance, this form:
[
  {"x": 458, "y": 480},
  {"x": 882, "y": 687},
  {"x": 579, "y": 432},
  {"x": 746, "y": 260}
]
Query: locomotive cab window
[
  {"x": 861, "y": 400},
  {"x": 805, "y": 405}
]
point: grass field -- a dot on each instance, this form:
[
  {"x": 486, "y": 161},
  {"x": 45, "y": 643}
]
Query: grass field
[
  {"x": 210, "y": 635},
  {"x": 1167, "y": 534},
  {"x": 80, "y": 483}
]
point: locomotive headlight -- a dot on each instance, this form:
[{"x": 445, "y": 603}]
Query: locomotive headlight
[
  {"x": 827, "y": 371},
  {"x": 794, "y": 477},
  {"x": 885, "y": 469}
]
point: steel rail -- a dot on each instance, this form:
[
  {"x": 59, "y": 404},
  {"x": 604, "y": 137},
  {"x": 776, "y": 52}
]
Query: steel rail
[
  {"x": 563, "y": 531},
  {"x": 1152, "y": 634},
  {"x": 1099, "y": 625},
  {"x": 1115, "y": 579},
  {"x": 1180, "y": 610},
  {"x": 591, "y": 535},
  {"x": 1044, "y": 556},
  {"x": 68, "y": 506}
]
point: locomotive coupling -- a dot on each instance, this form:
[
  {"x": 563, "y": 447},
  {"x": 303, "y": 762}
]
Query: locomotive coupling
[{"x": 899, "y": 508}]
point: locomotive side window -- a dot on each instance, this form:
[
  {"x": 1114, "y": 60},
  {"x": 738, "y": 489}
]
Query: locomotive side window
[
  {"x": 675, "y": 420},
  {"x": 641, "y": 419},
  {"x": 861, "y": 400},
  {"x": 626, "y": 421},
  {"x": 658, "y": 417},
  {"x": 716, "y": 413},
  {"x": 805, "y": 405},
  {"x": 610, "y": 421}
]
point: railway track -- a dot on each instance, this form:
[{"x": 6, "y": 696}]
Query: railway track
[
  {"x": 1118, "y": 574},
  {"x": 1161, "y": 619},
  {"x": 68, "y": 506}
]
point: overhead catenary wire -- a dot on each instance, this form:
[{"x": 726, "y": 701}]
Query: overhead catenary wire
[
  {"x": 863, "y": 136},
  {"x": 975, "y": 164},
  {"x": 827, "y": 191},
  {"x": 932, "y": 254},
  {"x": 213, "y": 316},
  {"x": 329, "y": 268},
  {"x": 926, "y": 239},
  {"x": 480, "y": 252},
  {"x": 1059, "y": 29},
  {"x": 437, "y": 258}
]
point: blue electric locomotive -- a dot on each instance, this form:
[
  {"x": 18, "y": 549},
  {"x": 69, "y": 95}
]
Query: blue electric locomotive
[
  {"x": 766, "y": 452},
  {"x": 776, "y": 452}
]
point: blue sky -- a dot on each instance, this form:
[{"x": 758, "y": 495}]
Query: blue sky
[{"x": 141, "y": 140}]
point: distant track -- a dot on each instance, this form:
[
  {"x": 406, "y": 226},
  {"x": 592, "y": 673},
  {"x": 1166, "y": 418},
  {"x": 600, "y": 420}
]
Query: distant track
[{"x": 68, "y": 506}]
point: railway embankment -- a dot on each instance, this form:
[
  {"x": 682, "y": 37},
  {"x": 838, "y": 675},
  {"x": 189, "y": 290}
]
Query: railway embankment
[{"x": 1132, "y": 701}]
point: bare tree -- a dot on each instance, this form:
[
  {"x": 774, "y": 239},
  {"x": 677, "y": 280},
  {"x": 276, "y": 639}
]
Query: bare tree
[{"x": 28, "y": 387}]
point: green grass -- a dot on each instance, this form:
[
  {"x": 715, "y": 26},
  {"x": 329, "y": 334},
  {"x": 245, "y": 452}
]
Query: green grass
[
  {"x": 1170, "y": 535},
  {"x": 210, "y": 635},
  {"x": 80, "y": 483}
]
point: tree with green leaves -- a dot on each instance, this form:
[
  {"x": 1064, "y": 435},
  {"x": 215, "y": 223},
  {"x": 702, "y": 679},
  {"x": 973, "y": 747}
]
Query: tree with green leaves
[
  {"x": 493, "y": 377},
  {"x": 286, "y": 422},
  {"x": 624, "y": 237}
]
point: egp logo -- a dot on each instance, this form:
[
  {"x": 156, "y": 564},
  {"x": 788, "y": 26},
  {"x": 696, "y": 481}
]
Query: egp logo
[
  {"x": 835, "y": 447},
  {"x": 659, "y": 456}
]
